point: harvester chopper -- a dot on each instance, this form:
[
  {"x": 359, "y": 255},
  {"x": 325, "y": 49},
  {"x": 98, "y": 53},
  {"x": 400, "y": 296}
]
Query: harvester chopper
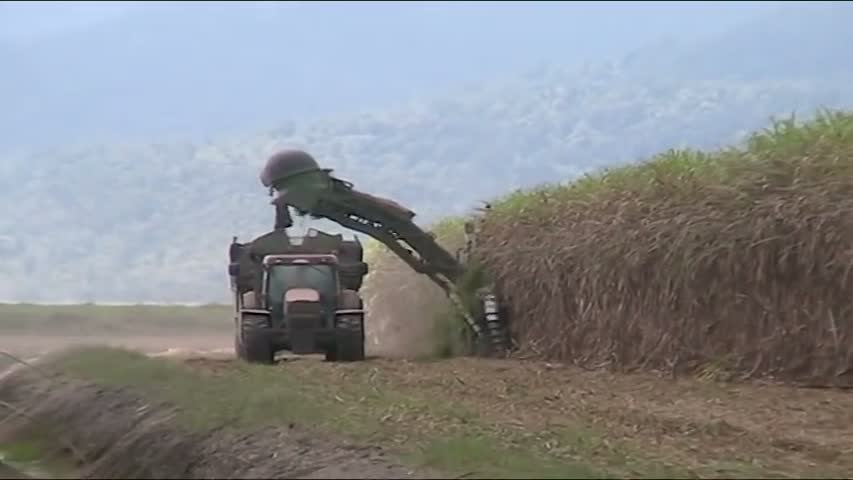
[{"x": 296, "y": 181}]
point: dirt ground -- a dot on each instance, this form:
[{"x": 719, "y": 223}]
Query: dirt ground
[
  {"x": 96, "y": 417},
  {"x": 707, "y": 428}
]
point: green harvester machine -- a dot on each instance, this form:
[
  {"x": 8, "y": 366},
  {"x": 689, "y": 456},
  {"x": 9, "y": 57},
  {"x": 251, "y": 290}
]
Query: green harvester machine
[{"x": 302, "y": 293}]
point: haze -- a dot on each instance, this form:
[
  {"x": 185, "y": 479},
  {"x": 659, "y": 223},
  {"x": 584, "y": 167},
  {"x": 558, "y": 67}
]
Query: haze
[{"x": 132, "y": 133}]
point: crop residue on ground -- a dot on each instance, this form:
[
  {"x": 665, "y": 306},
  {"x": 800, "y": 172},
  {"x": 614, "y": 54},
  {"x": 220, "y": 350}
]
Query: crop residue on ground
[{"x": 494, "y": 419}]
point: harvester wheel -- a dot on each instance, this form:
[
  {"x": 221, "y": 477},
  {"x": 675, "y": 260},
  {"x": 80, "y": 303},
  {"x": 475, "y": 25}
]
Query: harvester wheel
[
  {"x": 256, "y": 346},
  {"x": 349, "y": 335},
  {"x": 494, "y": 340},
  {"x": 349, "y": 341}
]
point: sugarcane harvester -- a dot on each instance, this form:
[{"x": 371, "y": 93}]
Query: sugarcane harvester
[{"x": 296, "y": 181}]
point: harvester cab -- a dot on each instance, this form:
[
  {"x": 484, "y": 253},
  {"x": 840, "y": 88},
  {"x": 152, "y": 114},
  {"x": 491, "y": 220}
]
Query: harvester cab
[{"x": 296, "y": 181}]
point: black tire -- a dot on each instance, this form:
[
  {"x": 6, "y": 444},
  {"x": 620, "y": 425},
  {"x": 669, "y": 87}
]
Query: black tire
[
  {"x": 349, "y": 339},
  {"x": 256, "y": 345},
  {"x": 349, "y": 334}
]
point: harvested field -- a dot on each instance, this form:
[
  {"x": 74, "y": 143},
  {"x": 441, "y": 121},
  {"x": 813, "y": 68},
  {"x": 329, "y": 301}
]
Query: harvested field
[
  {"x": 112, "y": 320},
  {"x": 733, "y": 264},
  {"x": 29, "y": 331},
  {"x": 194, "y": 416}
]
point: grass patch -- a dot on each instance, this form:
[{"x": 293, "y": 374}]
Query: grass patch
[
  {"x": 247, "y": 397},
  {"x": 33, "y": 457},
  {"x": 85, "y": 319},
  {"x": 22, "y": 451}
]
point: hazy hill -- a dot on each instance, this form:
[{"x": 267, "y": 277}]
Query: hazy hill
[{"x": 152, "y": 220}]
